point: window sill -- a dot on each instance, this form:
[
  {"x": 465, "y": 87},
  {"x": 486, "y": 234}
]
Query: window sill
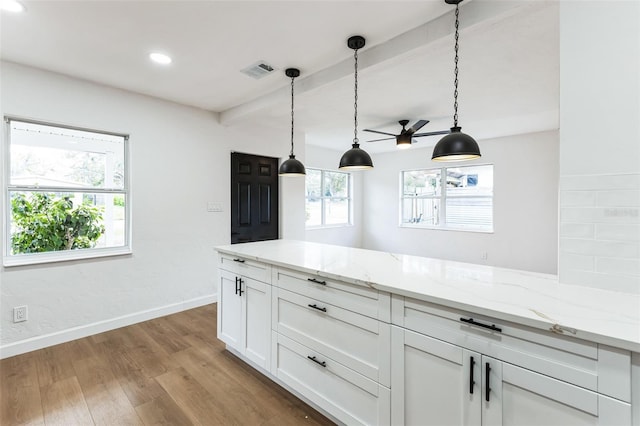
[
  {"x": 443, "y": 228},
  {"x": 313, "y": 228},
  {"x": 63, "y": 256}
]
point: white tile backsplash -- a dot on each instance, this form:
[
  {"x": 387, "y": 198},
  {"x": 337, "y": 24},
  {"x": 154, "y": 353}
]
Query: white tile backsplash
[
  {"x": 613, "y": 282},
  {"x": 617, "y": 232},
  {"x": 618, "y": 249},
  {"x": 578, "y": 198},
  {"x": 578, "y": 262},
  {"x": 612, "y": 214},
  {"x": 600, "y": 231},
  {"x": 618, "y": 198},
  {"x": 578, "y": 230},
  {"x": 599, "y": 182},
  {"x": 618, "y": 266}
]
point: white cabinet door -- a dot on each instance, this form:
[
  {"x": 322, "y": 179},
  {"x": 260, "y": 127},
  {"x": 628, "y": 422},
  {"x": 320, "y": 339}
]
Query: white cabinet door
[
  {"x": 256, "y": 315},
  {"x": 519, "y": 397},
  {"x": 244, "y": 316},
  {"x": 230, "y": 310},
  {"x": 433, "y": 382}
]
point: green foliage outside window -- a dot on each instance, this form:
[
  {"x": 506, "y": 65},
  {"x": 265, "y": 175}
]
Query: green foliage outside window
[{"x": 46, "y": 222}]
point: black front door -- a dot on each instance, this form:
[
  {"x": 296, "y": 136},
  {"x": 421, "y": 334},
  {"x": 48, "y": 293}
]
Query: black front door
[{"x": 254, "y": 198}]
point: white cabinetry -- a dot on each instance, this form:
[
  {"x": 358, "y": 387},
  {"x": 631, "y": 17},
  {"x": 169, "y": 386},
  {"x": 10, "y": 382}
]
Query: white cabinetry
[
  {"x": 469, "y": 370},
  {"x": 330, "y": 346},
  {"x": 244, "y": 308}
]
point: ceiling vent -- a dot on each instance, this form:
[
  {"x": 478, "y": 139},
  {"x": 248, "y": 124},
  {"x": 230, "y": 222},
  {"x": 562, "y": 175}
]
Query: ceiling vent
[{"x": 258, "y": 70}]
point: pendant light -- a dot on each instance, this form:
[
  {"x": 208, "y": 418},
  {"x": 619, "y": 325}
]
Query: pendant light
[
  {"x": 356, "y": 158},
  {"x": 456, "y": 146},
  {"x": 292, "y": 167}
]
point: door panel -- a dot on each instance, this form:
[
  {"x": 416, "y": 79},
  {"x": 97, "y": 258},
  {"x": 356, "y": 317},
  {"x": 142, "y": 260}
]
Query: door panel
[
  {"x": 229, "y": 311},
  {"x": 254, "y": 198},
  {"x": 432, "y": 383},
  {"x": 257, "y": 316},
  {"x": 520, "y": 397}
]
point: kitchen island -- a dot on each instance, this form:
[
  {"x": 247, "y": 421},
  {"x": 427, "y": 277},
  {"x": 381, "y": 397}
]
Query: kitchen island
[{"x": 336, "y": 324}]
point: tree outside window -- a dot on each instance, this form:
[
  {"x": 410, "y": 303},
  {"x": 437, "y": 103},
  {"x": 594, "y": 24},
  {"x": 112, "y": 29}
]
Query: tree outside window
[{"x": 67, "y": 193}]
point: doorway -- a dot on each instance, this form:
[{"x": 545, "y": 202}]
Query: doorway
[{"x": 254, "y": 198}]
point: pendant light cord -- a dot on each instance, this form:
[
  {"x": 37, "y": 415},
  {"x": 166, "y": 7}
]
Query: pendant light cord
[
  {"x": 455, "y": 81},
  {"x": 355, "y": 103},
  {"x": 292, "y": 78}
]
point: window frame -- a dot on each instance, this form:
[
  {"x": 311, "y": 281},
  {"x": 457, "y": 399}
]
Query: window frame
[
  {"x": 323, "y": 198},
  {"x": 9, "y": 259},
  {"x": 442, "y": 197}
]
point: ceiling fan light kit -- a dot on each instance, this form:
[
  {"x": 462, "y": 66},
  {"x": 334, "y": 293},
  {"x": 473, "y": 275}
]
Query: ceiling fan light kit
[
  {"x": 356, "y": 158},
  {"x": 406, "y": 136},
  {"x": 456, "y": 146},
  {"x": 292, "y": 167}
]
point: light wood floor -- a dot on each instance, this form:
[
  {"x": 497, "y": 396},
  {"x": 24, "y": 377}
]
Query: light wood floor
[{"x": 170, "y": 370}]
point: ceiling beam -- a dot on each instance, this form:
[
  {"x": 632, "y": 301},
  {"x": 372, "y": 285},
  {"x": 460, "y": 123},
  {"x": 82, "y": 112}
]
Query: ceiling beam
[{"x": 474, "y": 13}]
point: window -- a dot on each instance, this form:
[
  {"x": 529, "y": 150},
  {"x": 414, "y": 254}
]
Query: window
[
  {"x": 462, "y": 200},
  {"x": 328, "y": 198},
  {"x": 66, "y": 194}
]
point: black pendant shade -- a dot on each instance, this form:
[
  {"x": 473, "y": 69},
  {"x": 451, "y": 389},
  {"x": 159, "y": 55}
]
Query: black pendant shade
[
  {"x": 356, "y": 159},
  {"x": 456, "y": 146},
  {"x": 292, "y": 167}
]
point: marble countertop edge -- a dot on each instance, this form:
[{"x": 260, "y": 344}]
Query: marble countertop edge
[{"x": 579, "y": 320}]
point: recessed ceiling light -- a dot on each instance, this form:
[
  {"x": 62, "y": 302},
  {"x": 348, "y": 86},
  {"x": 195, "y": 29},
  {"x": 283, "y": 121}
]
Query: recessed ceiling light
[
  {"x": 160, "y": 58},
  {"x": 11, "y": 6}
]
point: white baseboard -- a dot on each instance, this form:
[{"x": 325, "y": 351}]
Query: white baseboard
[{"x": 39, "y": 342}]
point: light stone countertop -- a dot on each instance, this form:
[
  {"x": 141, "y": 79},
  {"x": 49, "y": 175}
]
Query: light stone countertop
[{"x": 528, "y": 298}]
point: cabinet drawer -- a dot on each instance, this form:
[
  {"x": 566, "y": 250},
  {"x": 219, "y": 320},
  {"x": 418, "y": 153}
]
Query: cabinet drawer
[
  {"x": 601, "y": 369},
  {"x": 246, "y": 267},
  {"x": 360, "y": 299},
  {"x": 343, "y": 393},
  {"x": 356, "y": 341}
]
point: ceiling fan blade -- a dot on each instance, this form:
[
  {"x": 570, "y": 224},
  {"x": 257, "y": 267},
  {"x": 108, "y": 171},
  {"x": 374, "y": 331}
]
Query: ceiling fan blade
[
  {"x": 440, "y": 132},
  {"x": 377, "y": 131},
  {"x": 417, "y": 126},
  {"x": 384, "y": 139}
]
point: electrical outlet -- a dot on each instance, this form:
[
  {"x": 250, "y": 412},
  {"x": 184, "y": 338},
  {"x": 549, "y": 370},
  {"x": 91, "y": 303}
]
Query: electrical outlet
[
  {"x": 485, "y": 255},
  {"x": 20, "y": 313}
]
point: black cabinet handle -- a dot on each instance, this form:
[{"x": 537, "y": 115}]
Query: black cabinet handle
[
  {"x": 479, "y": 324},
  {"x": 313, "y": 358},
  {"x": 237, "y": 285},
  {"x": 487, "y": 388},
  {"x": 240, "y": 281},
  {"x": 239, "y": 260},
  {"x": 313, "y": 280},
  {"x": 314, "y": 306},
  {"x": 471, "y": 382}
]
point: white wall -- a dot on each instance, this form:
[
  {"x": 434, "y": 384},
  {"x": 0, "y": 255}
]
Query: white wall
[
  {"x": 351, "y": 236},
  {"x": 180, "y": 160},
  {"x": 525, "y": 206},
  {"x": 600, "y": 144}
]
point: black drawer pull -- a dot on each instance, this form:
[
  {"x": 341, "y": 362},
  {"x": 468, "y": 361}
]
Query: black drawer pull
[
  {"x": 472, "y": 362},
  {"x": 239, "y": 260},
  {"x": 313, "y": 280},
  {"x": 487, "y": 389},
  {"x": 479, "y": 324},
  {"x": 313, "y": 358},
  {"x": 240, "y": 282},
  {"x": 314, "y": 306}
]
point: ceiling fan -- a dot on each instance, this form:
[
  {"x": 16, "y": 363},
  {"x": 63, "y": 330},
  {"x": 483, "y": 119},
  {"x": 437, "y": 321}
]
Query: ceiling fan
[{"x": 406, "y": 136}]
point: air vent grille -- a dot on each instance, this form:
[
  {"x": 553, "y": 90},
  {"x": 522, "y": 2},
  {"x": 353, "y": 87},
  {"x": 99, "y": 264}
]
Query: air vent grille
[{"x": 258, "y": 70}]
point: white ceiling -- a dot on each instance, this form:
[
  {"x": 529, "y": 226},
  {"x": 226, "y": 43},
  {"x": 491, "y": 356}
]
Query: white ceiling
[{"x": 508, "y": 65}]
